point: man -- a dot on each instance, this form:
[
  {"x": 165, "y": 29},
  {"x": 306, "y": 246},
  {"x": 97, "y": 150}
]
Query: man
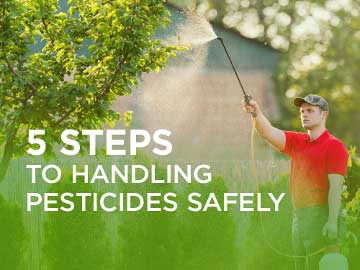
[{"x": 318, "y": 166}]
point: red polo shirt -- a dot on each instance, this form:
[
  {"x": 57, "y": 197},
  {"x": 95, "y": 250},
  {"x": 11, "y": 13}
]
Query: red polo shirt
[{"x": 311, "y": 162}]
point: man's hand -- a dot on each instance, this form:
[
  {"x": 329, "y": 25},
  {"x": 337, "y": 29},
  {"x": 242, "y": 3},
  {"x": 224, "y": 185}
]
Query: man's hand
[
  {"x": 274, "y": 136},
  {"x": 330, "y": 230},
  {"x": 251, "y": 107}
]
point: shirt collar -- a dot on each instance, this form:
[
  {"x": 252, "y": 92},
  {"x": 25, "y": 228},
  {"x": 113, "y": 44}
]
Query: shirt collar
[{"x": 325, "y": 135}]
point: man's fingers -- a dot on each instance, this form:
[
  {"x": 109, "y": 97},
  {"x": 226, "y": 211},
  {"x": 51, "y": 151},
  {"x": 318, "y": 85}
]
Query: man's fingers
[
  {"x": 248, "y": 108},
  {"x": 329, "y": 232},
  {"x": 333, "y": 234}
]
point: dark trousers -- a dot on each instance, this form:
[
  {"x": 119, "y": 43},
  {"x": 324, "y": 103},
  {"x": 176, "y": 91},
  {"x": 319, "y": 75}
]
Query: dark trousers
[{"x": 307, "y": 235}]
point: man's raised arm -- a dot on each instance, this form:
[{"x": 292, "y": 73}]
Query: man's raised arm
[{"x": 274, "y": 136}]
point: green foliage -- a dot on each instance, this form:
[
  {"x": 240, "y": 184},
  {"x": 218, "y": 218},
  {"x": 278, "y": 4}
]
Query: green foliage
[
  {"x": 12, "y": 236},
  {"x": 208, "y": 238},
  {"x": 103, "y": 46},
  {"x": 353, "y": 175},
  {"x": 268, "y": 231},
  {"x": 148, "y": 240},
  {"x": 352, "y": 197},
  {"x": 76, "y": 240},
  {"x": 352, "y": 247},
  {"x": 176, "y": 240}
]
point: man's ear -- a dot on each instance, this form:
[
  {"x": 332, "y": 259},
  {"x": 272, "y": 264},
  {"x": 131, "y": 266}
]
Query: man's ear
[{"x": 325, "y": 114}]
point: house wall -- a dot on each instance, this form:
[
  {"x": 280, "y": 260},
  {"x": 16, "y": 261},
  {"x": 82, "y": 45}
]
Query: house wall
[{"x": 198, "y": 98}]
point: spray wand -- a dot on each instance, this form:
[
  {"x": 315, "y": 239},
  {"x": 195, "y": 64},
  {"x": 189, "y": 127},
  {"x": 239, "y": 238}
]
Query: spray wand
[{"x": 246, "y": 96}]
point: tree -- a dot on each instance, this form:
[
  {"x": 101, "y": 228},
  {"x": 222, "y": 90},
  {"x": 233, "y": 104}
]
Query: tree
[
  {"x": 63, "y": 64},
  {"x": 319, "y": 46}
]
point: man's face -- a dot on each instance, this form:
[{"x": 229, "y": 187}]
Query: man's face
[{"x": 311, "y": 116}]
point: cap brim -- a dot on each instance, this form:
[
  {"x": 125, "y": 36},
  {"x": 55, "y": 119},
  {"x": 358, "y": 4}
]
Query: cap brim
[{"x": 298, "y": 101}]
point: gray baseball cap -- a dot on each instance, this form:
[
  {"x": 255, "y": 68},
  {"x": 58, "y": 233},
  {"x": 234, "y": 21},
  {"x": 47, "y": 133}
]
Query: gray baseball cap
[{"x": 313, "y": 100}]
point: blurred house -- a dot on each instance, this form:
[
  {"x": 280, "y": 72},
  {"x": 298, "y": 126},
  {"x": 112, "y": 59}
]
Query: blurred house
[{"x": 197, "y": 96}]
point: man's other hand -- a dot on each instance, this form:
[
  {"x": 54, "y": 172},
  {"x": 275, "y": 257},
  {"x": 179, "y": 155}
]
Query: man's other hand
[{"x": 330, "y": 230}]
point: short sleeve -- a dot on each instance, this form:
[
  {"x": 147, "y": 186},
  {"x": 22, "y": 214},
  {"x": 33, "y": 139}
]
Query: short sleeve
[
  {"x": 291, "y": 140},
  {"x": 337, "y": 158}
]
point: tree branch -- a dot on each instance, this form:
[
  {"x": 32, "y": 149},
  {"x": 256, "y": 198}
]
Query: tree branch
[
  {"x": 120, "y": 62},
  {"x": 15, "y": 74},
  {"x": 8, "y": 151},
  {"x": 47, "y": 32},
  {"x": 112, "y": 79}
]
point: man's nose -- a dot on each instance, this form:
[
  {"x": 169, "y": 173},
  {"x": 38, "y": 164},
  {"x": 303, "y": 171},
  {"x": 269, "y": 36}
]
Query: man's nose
[{"x": 304, "y": 117}]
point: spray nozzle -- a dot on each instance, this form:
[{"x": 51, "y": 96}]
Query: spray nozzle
[{"x": 247, "y": 99}]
